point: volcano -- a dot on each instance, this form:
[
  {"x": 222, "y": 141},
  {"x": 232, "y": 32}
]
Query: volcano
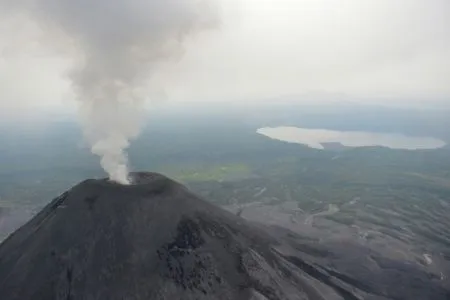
[{"x": 155, "y": 239}]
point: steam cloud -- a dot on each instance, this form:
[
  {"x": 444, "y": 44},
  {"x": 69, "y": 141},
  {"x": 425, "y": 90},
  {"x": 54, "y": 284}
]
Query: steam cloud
[{"x": 115, "y": 45}]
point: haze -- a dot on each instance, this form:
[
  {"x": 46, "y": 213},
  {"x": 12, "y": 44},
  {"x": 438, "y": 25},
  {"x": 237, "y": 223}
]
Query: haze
[
  {"x": 369, "y": 50},
  {"x": 326, "y": 118}
]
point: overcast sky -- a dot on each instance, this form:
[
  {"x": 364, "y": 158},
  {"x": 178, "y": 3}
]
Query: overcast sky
[{"x": 396, "y": 49}]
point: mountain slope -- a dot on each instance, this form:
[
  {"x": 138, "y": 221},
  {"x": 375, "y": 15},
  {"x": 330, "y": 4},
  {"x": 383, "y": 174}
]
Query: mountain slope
[
  {"x": 156, "y": 240},
  {"x": 151, "y": 240}
]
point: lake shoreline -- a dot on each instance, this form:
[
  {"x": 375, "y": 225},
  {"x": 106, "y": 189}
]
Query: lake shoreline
[{"x": 315, "y": 138}]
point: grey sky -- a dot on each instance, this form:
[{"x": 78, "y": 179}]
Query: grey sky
[{"x": 264, "y": 48}]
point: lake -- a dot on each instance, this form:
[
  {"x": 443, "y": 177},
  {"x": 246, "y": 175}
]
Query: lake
[{"x": 314, "y": 138}]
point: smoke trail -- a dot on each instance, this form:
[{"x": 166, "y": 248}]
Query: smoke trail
[{"x": 115, "y": 45}]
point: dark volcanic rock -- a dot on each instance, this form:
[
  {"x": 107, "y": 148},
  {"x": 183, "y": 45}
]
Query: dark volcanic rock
[
  {"x": 150, "y": 240},
  {"x": 156, "y": 240}
]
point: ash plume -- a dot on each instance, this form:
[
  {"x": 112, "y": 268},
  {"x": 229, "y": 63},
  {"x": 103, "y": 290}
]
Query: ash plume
[{"x": 115, "y": 46}]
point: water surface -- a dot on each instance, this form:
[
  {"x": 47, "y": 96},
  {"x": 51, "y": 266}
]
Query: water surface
[{"x": 315, "y": 138}]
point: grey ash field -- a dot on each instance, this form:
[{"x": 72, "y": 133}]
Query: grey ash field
[{"x": 356, "y": 223}]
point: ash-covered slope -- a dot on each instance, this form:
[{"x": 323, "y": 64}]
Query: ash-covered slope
[
  {"x": 156, "y": 240},
  {"x": 151, "y": 240}
]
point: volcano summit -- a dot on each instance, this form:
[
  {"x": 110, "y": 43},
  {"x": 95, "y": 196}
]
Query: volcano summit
[{"x": 156, "y": 240}]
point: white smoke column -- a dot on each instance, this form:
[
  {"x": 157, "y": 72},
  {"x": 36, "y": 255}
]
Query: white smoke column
[{"x": 116, "y": 45}]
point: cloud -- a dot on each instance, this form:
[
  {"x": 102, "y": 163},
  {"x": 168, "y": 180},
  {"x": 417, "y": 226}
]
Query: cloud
[
  {"x": 358, "y": 47},
  {"x": 113, "y": 48},
  {"x": 265, "y": 48}
]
